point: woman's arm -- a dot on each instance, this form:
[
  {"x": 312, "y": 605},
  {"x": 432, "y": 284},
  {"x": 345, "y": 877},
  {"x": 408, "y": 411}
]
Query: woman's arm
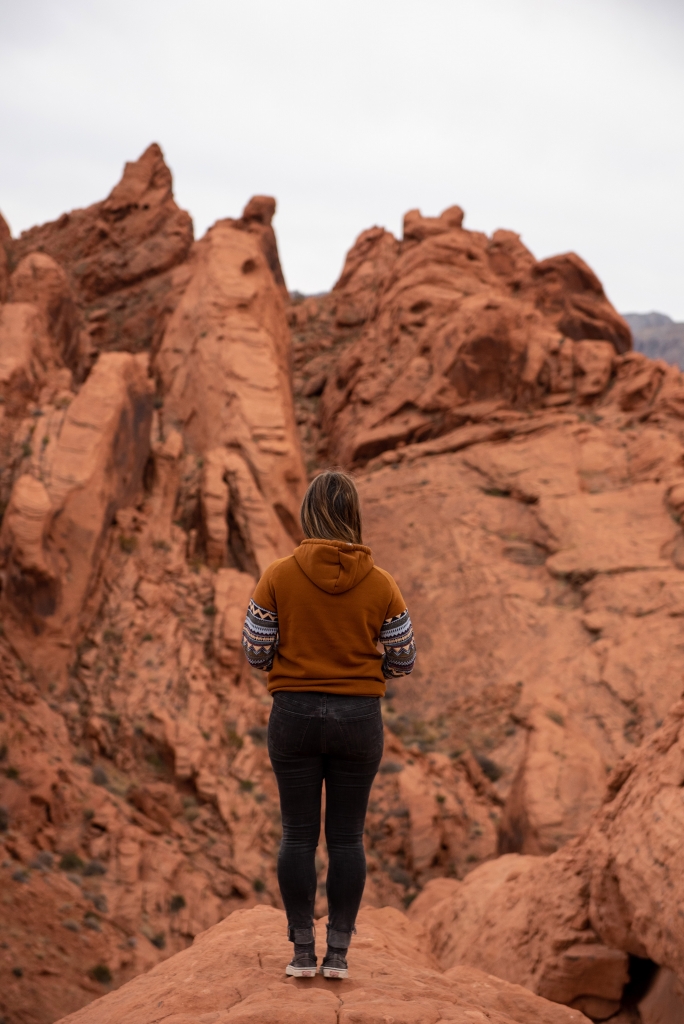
[
  {"x": 396, "y": 636},
  {"x": 260, "y": 636}
]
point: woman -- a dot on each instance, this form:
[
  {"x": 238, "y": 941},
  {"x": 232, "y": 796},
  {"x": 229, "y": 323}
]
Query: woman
[{"x": 314, "y": 624}]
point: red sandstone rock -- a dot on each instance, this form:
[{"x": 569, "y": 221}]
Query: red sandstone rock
[
  {"x": 546, "y": 493},
  {"x": 235, "y": 972},
  {"x": 83, "y": 467},
  {"x": 40, "y": 280},
  {"x": 523, "y": 917},
  {"x": 522, "y": 481},
  {"x": 26, "y": 355},
  {"x": 448, "y": 317},
  {"x": 122, "y": 255},
  {"x": 136, "y": 232},
  {"x": 224, "y": 371},
  {"x": 563, "y": 925},
  {"x": 256, "y": 217},
  {"x": 506, "y": 527}
]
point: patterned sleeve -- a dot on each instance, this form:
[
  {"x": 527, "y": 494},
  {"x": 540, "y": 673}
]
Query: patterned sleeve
[
  {"x": 396, "y": 636},
  {"x": 260, "y": 636}
]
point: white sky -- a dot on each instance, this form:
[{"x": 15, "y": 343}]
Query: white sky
[{"x": 560, "y": 119}]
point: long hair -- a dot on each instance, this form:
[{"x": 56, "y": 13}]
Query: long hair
[{"x": 331, "y": 509}]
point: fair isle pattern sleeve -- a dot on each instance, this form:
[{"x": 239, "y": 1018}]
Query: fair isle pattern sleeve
[
  {"x": 396, "y": 636},
  {"x": 260, "y": 636}
]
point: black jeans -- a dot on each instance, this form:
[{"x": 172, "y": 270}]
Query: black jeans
[{"x": 312, "y": 737}]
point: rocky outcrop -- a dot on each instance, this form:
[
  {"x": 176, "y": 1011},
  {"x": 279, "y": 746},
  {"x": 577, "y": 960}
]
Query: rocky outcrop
[
  {"x": 138, "y": 231},
  {"x": 521, "y": 476},
  {"x": 87, "y": 461},
  {"x": 223, "y": 367},
  {"x": 522, "y": 917},
  {"x": 447, "y": 317},
  {"x": 235, "y": 972},
  {"x": 124, "y": 256},
  {"x": 38, "y": 279},
  {"x": 136, "y": 524},
  {"x": 560, "y": 530},
  {"x": 565, "y": 925},
  {"x": 545, "y": 495},
  {"x": 26, "y": 356}
]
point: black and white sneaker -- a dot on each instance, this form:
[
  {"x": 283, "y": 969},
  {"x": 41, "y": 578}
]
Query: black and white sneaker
[
  {"x": 302, "y": 965},
  {"x": 334, "y": 966}
]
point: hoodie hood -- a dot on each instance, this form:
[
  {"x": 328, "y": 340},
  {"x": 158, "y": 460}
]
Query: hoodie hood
[{"x": 334, "y": 565}]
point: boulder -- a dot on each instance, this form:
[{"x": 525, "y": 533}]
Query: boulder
[
  {"x": 569, "y": 292},
  {"x": 522, "y": 917}
]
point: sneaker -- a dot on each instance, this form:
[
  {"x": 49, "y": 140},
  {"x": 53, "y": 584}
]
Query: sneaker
[
  {"x": 334, "y": 966},
  {"x": 302, "y": 965}
]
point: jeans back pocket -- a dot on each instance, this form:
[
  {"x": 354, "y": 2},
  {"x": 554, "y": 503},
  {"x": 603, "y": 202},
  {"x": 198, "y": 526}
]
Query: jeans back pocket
[
  {"x": 361, "y": 735},
  {"x": 287, "y": 730}
]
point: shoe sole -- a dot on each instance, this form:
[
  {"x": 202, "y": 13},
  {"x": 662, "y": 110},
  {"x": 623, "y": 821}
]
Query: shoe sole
[
  {"x": 334, "y": 972},
  {"x": 300, "y": 972}
]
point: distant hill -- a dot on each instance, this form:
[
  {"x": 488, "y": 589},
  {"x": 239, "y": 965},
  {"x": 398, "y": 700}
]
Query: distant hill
[{"x": 658, "y": 336}]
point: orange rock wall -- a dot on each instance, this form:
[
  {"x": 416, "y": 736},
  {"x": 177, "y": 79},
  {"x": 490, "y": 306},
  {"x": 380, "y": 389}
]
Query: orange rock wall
[{"x": 164, "y": 403}]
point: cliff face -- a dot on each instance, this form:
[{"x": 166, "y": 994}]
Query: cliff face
[{"x": 521, "y": 473}]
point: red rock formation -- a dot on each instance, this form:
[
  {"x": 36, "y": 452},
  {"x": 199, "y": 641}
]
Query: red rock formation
[
  {"x": 38, "y": 279},
  {"x": 550, "y": 505},
  {"x": 87, "y": 462},
  {"x": 563, "y": 925},
  {"x": 521, "y": 475},
  {"x": 447, "y": 317},
  {"x": 136, "y": 232},
  {"x": 130, "y": 543},
  {"x": 234, "y": 972},
  {"x": 123, "y": 256},
  {"x": 223, "y": 367}
]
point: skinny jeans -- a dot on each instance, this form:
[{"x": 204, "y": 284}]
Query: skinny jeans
[{"x": 314, "y": 737}]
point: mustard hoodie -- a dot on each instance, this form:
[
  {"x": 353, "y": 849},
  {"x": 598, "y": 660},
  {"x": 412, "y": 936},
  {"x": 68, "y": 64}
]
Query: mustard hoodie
[{"x": 316, "y": 617}]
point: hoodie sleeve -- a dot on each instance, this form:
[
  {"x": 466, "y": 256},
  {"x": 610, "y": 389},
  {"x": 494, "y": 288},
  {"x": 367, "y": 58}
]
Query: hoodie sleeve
[
  {"x": 260, "y": 635},
  {"x": 396, "y": 636}
]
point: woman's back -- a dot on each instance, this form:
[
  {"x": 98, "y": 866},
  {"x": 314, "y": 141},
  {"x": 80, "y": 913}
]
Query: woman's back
[{"x": 330, "y": 605}]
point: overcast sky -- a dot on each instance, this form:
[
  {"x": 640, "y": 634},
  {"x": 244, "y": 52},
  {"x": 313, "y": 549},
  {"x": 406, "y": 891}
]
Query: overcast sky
[{"x": 560, "y": 119}]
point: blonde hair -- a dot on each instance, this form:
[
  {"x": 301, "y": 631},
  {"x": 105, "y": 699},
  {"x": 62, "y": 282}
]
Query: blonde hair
[{"x": 331, "y": 509}]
